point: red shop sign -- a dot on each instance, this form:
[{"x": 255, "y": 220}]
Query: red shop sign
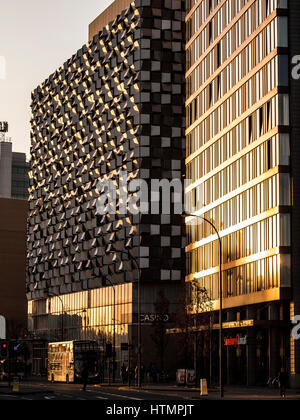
[{"x": 231, "y": 341}]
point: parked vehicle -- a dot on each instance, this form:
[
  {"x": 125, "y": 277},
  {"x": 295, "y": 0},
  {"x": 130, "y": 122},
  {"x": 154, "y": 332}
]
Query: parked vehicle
[{"x": 67, "y": 359}]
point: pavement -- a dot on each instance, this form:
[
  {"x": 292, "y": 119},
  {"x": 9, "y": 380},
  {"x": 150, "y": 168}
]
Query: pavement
[
  {"x": 24, "y": 389},
  {"x": 148, "y": 391},
  {"x": 230, "y": 392}
]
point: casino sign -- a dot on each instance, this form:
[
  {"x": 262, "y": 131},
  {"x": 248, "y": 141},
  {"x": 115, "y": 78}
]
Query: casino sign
[{"x": 151, "y": 317}]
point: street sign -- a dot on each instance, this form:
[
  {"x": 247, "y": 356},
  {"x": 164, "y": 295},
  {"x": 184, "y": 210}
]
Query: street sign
[
  {"x": 2, "y": 328},
  {"x": 17, "y": 347}
]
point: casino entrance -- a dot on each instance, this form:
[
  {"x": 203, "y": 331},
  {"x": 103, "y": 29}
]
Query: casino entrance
[
  {"x": 255, "y": 354},
  {"x": 246, "y": 357}
]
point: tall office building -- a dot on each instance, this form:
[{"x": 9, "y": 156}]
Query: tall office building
[
  {"x": 115, "y": 106},
  {"x": 13, "y": 302},
  {"x": 242, "y": 151},
  {"x": 13, "y": 217},
  {"x": 13, "y": 169}
]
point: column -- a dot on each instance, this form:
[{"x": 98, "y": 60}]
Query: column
[
  {"x": 251, "y": 349},
  {"x": 231, "y": 354},
  {"x": 274, "y": 342}
]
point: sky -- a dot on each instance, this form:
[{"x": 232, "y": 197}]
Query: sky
[{"x": 37, "y": 37}]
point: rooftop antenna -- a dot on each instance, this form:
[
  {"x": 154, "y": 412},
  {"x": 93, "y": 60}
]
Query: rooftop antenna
[{"x": 3, "y": 131}]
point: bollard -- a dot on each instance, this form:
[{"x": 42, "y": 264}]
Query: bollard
[
  {"x": 16, "y": 384},
  {"x": 203, "y": 387}
]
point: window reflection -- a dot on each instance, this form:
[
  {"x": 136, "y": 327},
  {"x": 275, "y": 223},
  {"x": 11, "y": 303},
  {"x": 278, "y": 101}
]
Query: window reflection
[{"x": 84, "y": 315}]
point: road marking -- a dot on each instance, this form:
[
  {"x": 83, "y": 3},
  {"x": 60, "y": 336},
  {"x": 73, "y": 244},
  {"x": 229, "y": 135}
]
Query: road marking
[
  {"x": 122, "y": 396},
  {"x": 167, "y": 395},
  {"x": 64, "y": 395},
  {"x": 101, "y": 398}
]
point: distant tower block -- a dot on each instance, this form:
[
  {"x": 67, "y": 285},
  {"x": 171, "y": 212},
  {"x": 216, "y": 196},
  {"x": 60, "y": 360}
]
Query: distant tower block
[{"x": 5, "y": 168}]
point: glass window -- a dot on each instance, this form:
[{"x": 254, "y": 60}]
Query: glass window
[
  {"x": 283, "y": 109},
  {"x": 282, "y": 28}
]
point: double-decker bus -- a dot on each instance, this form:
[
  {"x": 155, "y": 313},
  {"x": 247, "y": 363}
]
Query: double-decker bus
[{"x": 66, "y": 361}]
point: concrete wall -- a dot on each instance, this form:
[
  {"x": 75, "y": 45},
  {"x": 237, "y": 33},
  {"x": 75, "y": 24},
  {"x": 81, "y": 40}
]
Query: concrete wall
[{"x": 107, "y": 16}]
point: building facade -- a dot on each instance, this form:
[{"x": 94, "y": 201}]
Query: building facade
[
  {"x": 20, "y": 178},
  {"x": 13, "y": 229},
  {"x": 241, "y": 129},
  {"x": 115, "y": 107},
  {"x": 14, "y": 169},
  {"x": 13, "y": 303}
]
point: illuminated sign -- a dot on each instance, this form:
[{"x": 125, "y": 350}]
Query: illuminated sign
[
  {"x": 235, "y": 341},
  {"x": 3, "y": 127},
  {"x": 239, "y": 324},
  {"x": 242, "y": 341},
  {"x": 150, "y": 317},
  {"x": 231, "y": 341}
]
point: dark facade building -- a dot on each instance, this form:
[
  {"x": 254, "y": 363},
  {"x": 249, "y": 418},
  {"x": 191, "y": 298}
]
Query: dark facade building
[
  {"x": 19, "y": 179},
  {"x": 13, "y": 230},
  {"x": 13, "y": 303},
  {"x": 116, "y": 106},
  {"x": 14, "y": 169},
  {"x": 242, "y": 158}
]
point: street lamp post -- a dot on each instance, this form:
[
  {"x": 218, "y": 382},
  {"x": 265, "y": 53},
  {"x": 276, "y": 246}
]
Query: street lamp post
[
  {"x": 186, "y": 215},
  {"x": 51, "y": 294},
  {"x": 84, "y": 311},
  {"x": 114, "y": 334},
  {"x": 63, "y": 312},
  {"x": 139, "y": 313},
  {"x": 85, "y": 319}
]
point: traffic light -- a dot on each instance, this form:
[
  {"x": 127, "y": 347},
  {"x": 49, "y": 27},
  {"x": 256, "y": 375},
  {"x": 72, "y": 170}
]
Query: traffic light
[
  {"x": 4, "y": 349},
  {"x": 108, "y": 351}
]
